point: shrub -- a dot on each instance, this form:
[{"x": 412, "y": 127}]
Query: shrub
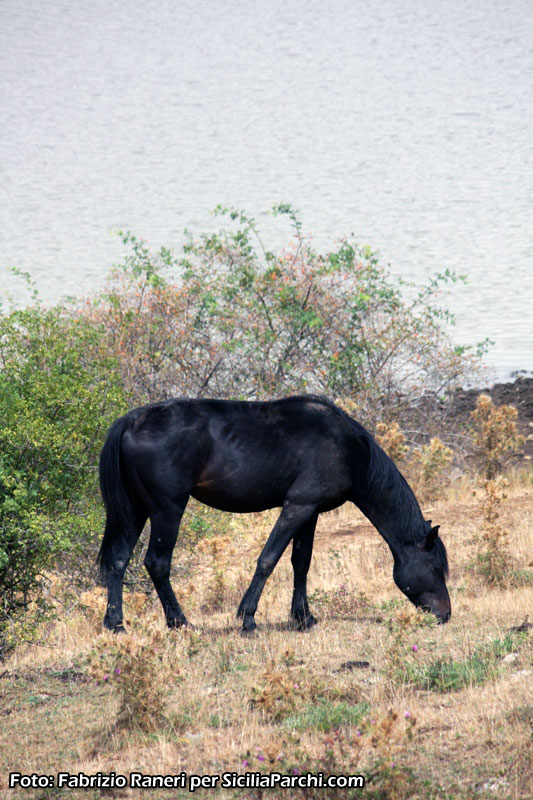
[
  {"x": 59, "y": 391},
  {"x": 232, "y": 319}
]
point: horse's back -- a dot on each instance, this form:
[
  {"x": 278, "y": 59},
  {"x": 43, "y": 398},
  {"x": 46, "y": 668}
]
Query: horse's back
[{"x": 241, "y": 456}]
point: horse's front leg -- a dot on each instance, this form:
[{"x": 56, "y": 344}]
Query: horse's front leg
[
  {"x": 291, "y": 519},
  {"x": 302, "y": 550}
]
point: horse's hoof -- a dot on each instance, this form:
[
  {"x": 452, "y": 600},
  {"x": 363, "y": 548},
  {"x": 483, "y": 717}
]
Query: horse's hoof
[
  {"x": 176, "y": 622},
  {"x": 113, "y": 627},
  {"x": 119, "y": 629},
  {"x": 249, "y": 627},
  {"x": 306, "y": 624},
  {"x": 249, "y": 633},
  {"x": 186, "y": 627}
]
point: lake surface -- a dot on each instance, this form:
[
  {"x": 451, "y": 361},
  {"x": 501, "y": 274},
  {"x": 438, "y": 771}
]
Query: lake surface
[{"x": 407, "y": 124}]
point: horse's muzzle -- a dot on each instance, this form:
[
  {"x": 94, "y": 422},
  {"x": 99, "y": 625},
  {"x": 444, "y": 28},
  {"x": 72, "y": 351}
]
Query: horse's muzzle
[{"x": 442, "y": 611}]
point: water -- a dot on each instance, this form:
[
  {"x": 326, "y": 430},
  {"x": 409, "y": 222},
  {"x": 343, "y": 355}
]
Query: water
[{"x": 406, "y": 123}]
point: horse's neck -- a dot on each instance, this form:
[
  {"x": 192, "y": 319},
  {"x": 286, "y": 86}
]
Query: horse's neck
[{"x": 393, "y": 510}]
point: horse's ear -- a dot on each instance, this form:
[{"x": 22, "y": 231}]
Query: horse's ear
[
  {"x": 428, "y": 521},
  {"x": 429, "y": 542}
]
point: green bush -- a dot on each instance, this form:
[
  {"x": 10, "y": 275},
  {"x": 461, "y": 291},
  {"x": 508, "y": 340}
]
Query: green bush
[{"x": 59, "y": 391}]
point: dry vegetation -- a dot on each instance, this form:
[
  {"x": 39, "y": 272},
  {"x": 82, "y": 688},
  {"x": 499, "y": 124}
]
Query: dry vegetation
[{"x": 438, "y": 712}]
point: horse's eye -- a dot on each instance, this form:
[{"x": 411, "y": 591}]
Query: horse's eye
[{"x": 407, "y": 588}]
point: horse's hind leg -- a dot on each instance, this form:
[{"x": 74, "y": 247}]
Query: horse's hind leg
[
  {"x": 302, "y": 550},
  {"x": 121, "y": 549},
  {"x": 291, "y": 519},
  {"x": 164, "y": 532}
]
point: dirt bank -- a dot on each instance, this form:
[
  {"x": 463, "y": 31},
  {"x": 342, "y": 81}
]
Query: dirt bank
[{"x": 518, "y": 393}]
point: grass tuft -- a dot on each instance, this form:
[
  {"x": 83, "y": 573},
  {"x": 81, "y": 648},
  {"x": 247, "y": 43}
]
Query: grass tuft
[{"x": 326, "y": 716}]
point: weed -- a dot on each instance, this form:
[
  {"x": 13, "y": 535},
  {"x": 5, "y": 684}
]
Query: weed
[
  {"x": 216, "y": 721},
  {"x": 495, "y": 434},
  {"x": 194, "y": 642},
  {"x": 289, "y": 658},
  {"x": 493, "y": 562},
  {"x": 326, "y": 716},
  {"x": 26, "y": 625},
  {"x": 279, "y": 695},
  {"x": 220, "y": 551},
  {"x": 139, "y": 669},
  {"x": 432, "y": 460},
  {"x": 199, "y": 522},
  {"x": 522, "y": 577},
  {"x": 399, "y": 648},
  {"x": 225, "y": 655},
  {"x": 339, "y": 602},
  {"x": 288, "y": 688},
  {"x": 386, "y": 777},
  {"x": 498, "y": 648},
  {"x": 522, "y": 713},
  {"x": 388, "y": 606},
  {"x": 448, "y": 674},
  {"x": 392, "y": 440}
]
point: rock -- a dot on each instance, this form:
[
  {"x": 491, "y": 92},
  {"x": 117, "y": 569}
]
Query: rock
[
  {"x": 193, "y": 738},
  {"x": 350, "y": 665},
  {"x": 495, "y": 785}
]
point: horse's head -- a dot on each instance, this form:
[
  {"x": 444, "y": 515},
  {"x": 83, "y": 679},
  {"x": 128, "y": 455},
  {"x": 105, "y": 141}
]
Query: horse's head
[{"x": 419, "y": 572}]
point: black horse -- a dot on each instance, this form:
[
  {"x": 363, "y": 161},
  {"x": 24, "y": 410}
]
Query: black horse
[{"x": 302, "y": 454}]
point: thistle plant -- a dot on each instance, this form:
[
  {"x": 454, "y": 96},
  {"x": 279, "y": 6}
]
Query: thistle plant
[
  {"x": 392, "y": 440},
  {"x": 432, "y": 461},
  {"x": 495, "y": 434},
  {"x": 494, "y": 559},
  {"x": 142, "y": 671}
]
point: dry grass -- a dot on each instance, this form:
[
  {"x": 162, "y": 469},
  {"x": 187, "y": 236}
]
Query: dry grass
[{"x": 283, "y": 699}]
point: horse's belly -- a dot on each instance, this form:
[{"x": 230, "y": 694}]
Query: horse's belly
[
  {"x": 240, "y": 493},
  {"x": 236, "y": 502}
]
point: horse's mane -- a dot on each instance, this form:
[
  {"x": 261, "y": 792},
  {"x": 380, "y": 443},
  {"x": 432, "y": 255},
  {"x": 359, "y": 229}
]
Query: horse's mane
[{"x": 384, "y": 476}]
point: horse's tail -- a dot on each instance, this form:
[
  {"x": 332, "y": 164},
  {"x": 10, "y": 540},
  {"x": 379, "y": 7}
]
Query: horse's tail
[{"x": 118, "y": 506}]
